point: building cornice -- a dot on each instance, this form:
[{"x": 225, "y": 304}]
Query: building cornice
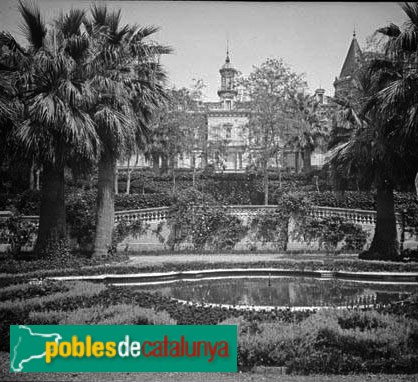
[{"x": 228, "y": 113}]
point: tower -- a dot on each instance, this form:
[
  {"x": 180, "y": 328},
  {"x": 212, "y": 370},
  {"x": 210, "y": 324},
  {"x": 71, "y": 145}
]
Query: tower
[
  {"x": 344, "y": 84},
  {"x": 319, "y": 95},
  {"x": 227, "y": 92}
]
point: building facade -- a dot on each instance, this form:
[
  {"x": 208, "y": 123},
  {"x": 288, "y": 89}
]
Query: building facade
[
  {"x": 225, "y": 141},
  {"x": 227, "y": 131}
]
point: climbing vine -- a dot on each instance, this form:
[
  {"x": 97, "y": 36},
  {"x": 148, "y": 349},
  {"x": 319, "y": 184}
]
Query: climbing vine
[
  {"x": 293, "y": 219},
  {"x": 198, "y": 219},
  {"x": 274, "y": 226}
]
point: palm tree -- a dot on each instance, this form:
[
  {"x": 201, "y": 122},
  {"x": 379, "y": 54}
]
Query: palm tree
[
  {"x": 311, "y": 129},
  {"x": 372, "y": 152},
  {"x": 53, "y": 125},
  {"x": 398, "y": 73},
  {"x": 128, "y": 84}
]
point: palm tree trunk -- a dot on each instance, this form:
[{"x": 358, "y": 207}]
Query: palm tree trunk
[
  {"x": 32, "y": 176},
  {"x": 164, "y": 164},
  {"x": 128, "y": 180},
  {"x": 116, "y": 180},
  {"x": 52, "y": 225},
  {"x": 105, "y": 218},
  {"x": 384, "y": 245},
  {"x": 416, "y": 184},
  {"x": 156, "y": 164},
  {"x": 37, "y": 183},
  {"x": 307, "y": 165},
  {"x": 297, "y": 161},
  {"x": 266, "y": 185}
]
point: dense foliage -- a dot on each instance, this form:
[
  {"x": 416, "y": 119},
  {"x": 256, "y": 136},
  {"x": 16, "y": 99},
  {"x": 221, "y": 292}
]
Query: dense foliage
[
  {"x": 275, "y": 226},
  {"x": 335, "y": 342},
  {"x": 16, "y": 233},
  {"x": 201, "y": 221},
  {"x": 330, "y": 231}
]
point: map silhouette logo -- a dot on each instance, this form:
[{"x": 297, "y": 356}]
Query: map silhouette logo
[{"x": 29, "y": 346}]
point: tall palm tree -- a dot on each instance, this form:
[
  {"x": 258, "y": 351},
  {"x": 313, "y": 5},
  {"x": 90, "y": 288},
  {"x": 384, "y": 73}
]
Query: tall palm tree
[
  {"x": 128, "y": 82},
  {"x": 53, "y": 125},
  {"x": 398, "y": 72},
  {"x": 373, "y": 152}
]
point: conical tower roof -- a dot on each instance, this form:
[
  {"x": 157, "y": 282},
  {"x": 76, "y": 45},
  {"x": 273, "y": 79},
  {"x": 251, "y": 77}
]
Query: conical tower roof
[{"x": 352, "y": 60}]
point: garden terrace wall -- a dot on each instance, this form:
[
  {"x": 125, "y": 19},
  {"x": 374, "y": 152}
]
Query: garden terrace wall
[{"x": 156, "y": 219}]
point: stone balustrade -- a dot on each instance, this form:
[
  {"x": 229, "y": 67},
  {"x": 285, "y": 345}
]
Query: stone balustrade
[
  {"x": 146, "y": 214},
  {"x": 361, "y": 217},
  {"x": 244, "y": 212}
]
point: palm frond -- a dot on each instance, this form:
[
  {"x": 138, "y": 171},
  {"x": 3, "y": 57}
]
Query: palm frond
[
  {"x": 411, "y": 10},
  {"x": 6, "y": 39},
  {"x": 33, "y": 26},
  {"x": 139, "y": 33},
  {"x": 391, "y": 30},
  {"x": 99, "y": 15},
  {"x": 69, "y": 24}
]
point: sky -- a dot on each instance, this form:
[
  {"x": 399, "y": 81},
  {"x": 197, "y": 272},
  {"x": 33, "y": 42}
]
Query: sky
[{"x": 312, "y": 37}]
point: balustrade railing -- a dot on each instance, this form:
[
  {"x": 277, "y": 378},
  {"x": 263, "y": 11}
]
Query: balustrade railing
[
  {"x": 362, "y": 217},
  {"x": 146, "y": 214},
  {"x": 245, "y": 212}
]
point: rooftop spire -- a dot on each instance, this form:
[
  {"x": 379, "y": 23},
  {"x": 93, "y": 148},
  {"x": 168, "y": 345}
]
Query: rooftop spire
[
  {"x": 227, "y": 51},
  {"x": 354, "y": 56}
]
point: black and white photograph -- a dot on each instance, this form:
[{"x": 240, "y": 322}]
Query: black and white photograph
[{"x": 208, "y": 191}]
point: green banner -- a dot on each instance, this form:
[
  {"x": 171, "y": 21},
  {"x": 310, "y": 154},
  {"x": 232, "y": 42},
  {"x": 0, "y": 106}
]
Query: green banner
[{"x": 123, "y": 348}]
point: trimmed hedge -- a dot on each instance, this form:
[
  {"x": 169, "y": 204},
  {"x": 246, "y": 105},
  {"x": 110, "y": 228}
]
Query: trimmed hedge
[{"x": 138, "y": 201}]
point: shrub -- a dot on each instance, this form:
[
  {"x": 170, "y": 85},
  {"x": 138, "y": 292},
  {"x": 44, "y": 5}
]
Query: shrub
[
  {"x": 16, "y": 232},
  {"x": 200, "y": 220},
  {"x": 133, "y": 315},
  {"x": 410, "y": 254},
  {"x": 28, "y": 202},
  {"x": 274, "y": 226},
  {"x": 125, "y": 228},
  {"x": 331, "y": 230},
  {"x": 14, "y": 312},
  {"x": 48, "y": 317},
  {"x": 81, "y": 215},
  {"x": 120, "y": 314},
  {"x": 331, "y": 342},
  {"x": 76, "y": 293},
  {"x": 139, "y": 201},
  {"x": 25, "y": 291}
]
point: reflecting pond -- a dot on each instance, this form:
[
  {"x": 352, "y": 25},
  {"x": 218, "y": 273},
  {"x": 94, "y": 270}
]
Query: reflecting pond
[{"x": 283, "y": 291}]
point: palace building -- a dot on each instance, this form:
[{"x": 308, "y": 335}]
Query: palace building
[{"x": 225, "y": 141}]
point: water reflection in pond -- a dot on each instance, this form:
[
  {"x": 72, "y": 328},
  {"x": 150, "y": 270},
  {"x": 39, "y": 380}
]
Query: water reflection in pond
[{"x": 284, "y": 291}]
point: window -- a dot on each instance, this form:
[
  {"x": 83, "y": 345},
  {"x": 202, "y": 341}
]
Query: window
[
  {"x": 228, "y": 130},
  {"x": 228, "y": 104}
]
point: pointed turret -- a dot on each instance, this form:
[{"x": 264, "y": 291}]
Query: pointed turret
[
  {"x": 353, "y": 59},
  {"x": 344, "y": 83}
]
